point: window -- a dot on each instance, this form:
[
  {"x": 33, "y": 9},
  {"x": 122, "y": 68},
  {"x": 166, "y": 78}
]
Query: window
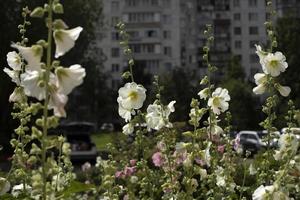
[
  {"x": 253, "y": 58},
  {"x": 133, "y": 34},
  {"x": 115, "y": 52},
  {"x": 252, "y": 43},
  {"x": 237, "y": 30},
  {"x": 115, "y": 67},
  {"x": 253, "y": 16},
  {"x": 151, "y": 33},
  {"x": 167, "y": 34},
  {"x": 167, "y": 19},
  {"x": 253, "y": 30},
  {"x": 239, "y": 57},
  {"x": 168, "y": 51},
  {"x": 143, "y": 17},
  {"x": 252, "y": 3},
  {"x": 166, "y": 3},
  {"x": 237, "y": 16},
  {"x": 114, "y": 21},
  {"x": 115, "y": 6},
  {"x": 115, "y": 36},
  {"x": 238, "y": 44},
  {"x": 131, "y": 2},
  {"x": 236, "y": 3},
  {"x": 115, "y": 83}
]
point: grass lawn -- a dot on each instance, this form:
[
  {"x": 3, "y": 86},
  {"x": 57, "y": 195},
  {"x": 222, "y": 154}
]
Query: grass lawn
[{"x": 101, "y": 139}]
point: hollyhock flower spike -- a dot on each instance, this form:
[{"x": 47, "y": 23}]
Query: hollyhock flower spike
[
  {"x": 65, "y": 40},
  {"x": 69, "y": 78}
]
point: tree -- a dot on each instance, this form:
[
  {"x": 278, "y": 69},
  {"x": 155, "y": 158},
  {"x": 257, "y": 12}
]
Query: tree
[{"x": 243, "y": 106}]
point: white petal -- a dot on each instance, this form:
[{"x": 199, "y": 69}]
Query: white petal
[
  {"x": 128, "y": 129},
  {"x": 32, "y": 55},
  {"x": 57, "y": 103},
  {"x": 260, "y": 78},
  {"x": 14, "y": 60},
  {"x": 203, "y": 93},
  {"x": 30, "y": 82},
  {"x": 284, "y": 90},
  {"x": 17, "y": 95},
  {"x": 65, "y": 40},
  {"x": 69, "y": 78},
  {"x": 260, "y": 89},
  {"x": 14, "y": 75}
]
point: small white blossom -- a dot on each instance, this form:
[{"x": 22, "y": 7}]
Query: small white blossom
[
  {"x": 252, "y": 170},
  {"x": 18, "y": 189},
  {"x": 32, "y": 55},
  {"x": 69, "y": 78},
  {"x": 261, "y": 54},
  {"x": 14, "y": 75},
  {"x": 219, "y": 100},
  {"x": 287, "y": 141},
  {"x": 14, "y": 60},
  {"x": 57, "y": 102},
  {"x": 268, "y": 192},
  {"x": 157, "y": 115},
  {"x": 131, "y": 96},
  {"x": 128, "y": 129},
  {"x": 274, "y": 64},
  {"x": 32, "y": 84},
  {"x": 17, "y": 95},
  {"x": 283, "y": 90},
  {"x": 260, "y": 80},
  {"x": 65, "y": 40},
  {"x": 204, "y": 93}
]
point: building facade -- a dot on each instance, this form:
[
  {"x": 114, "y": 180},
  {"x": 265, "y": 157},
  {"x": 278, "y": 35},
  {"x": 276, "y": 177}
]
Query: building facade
[{"x": 169, "y": 33}]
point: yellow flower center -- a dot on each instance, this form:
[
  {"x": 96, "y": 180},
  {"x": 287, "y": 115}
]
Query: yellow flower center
[
  {"x": 216, "y": 101},
  {"x": 274, "y": 63},
  {"x": 133, "y": 95}
]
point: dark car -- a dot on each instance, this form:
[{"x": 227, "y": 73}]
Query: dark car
[{"x": 78, "y": 134}]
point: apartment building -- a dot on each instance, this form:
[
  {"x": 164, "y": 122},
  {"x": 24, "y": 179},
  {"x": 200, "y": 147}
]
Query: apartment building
[
  {"x": 169, "y": 33},
  {"x": 154, "y": 29}
]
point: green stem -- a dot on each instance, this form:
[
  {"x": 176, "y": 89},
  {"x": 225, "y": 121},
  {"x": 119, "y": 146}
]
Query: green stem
[
  {"x": 45, "y": 110},
  {"x": 243, "y": 184}
]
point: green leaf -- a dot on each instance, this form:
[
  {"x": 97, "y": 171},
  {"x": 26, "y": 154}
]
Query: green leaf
[{"x": 76, "y": 187}]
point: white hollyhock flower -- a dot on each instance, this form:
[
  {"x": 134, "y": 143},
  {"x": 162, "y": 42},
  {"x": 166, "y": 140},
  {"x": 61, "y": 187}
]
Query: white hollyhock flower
[
  {"x": 69, "y": 78},
  {"x": 260, "y": 80},
  {"x": 261, "y": 193},
  {"x": 219, "y": 100},
  {"x": 17, "y": 95},
  {"x": 65, "y": 40},
  {"x": 204, "y": 93},
  {"x": 283, "y": 90},
  {"x": 31, "y": 82},
  {"x": 57, "y": 102},
  {"x": 128, "y": 129},
  {"x": 14, "y": 60},
  {"x": 14, "y": 75},
  {"x": 32, "y": 55},
  {"x": 132, "y": 96},
  {"x": 261, "y": 54},
  {"x": 124, "y": 113},
  {"x": 157, "y": 116},
  {"x": 274, "y": 64},
  {"x": 221, "y": 182}
]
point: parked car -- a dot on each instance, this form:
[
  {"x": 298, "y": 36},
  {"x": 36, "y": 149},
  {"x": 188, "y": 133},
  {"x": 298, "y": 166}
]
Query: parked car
[
  {"x": 248, "y": 141},
  {"x": 78, "y": 134}
]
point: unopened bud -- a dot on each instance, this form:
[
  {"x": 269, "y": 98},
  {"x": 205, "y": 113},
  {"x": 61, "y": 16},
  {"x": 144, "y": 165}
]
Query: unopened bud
[
  {"x": 58, "y": 8},
  {"x": 38, "y": 12}
]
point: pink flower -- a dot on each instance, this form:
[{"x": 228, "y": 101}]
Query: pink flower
[
  {"x": 119, "y": 174},
  {"x": 221, "y": 148},
  {"x": 132, "y": 162},
  {"x": 158, "y": 159},
  {"x": 86, "y": 166},
  {"x": 199, "y": 161},
  {"x": 128, "y": 171},
  {"x": 180, "y": 157}
]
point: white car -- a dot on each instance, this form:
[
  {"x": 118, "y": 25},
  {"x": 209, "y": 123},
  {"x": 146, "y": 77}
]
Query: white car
[{"x": 248, "y": 141}]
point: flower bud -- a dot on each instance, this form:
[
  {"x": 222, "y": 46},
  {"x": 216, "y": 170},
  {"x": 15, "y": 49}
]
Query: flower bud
[
  {"x": 38, "y": 12},
  {"x": 58, "y": 8}
]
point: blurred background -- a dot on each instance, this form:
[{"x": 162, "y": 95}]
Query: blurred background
[{"x": 167, "y": 38}]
